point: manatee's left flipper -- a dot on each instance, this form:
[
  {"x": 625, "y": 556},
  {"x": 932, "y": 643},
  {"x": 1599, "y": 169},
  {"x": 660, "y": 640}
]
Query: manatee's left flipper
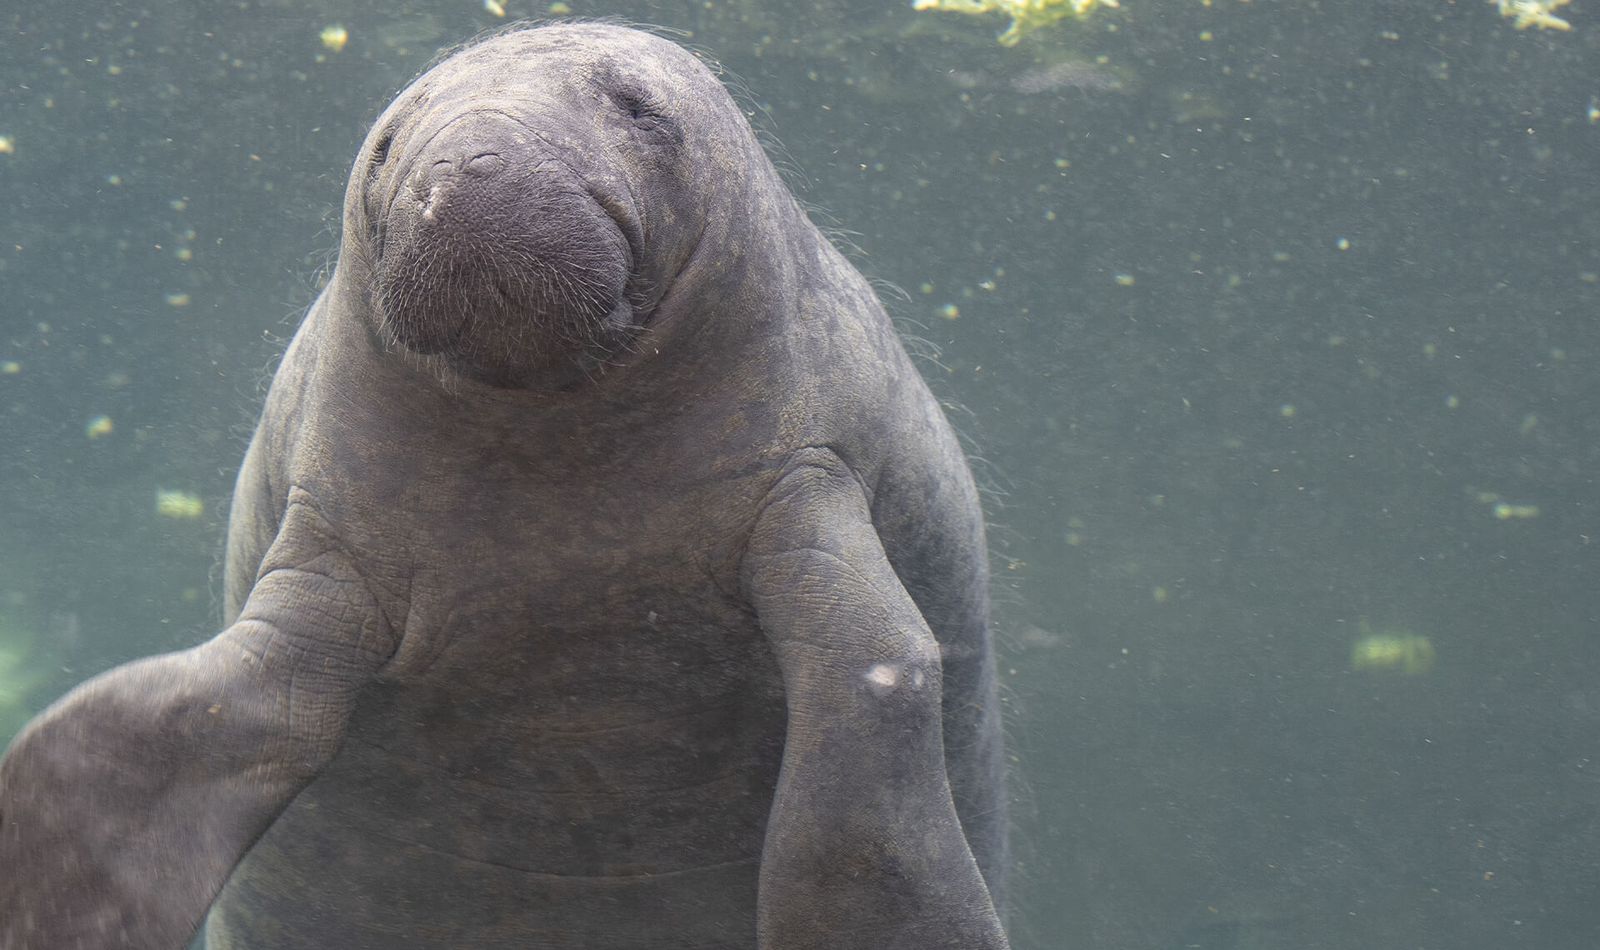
[
  {"x": 124, "y": 806},
  {"x": 864, "y": 850}
]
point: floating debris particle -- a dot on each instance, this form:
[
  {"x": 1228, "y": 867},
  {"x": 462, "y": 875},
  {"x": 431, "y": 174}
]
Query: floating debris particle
[
  {"x": 334, "y": 37},
  {"x": 1038, "y": 638},
  {"x": 1506, "y": 511},
  {"x": 1072, "y": 74},
  {"x": 177, "y": 300},
  {"x": 178, "y": 504},
  {"x": 6, "y": 145},
  {"x": 495, "y": 7},
  {"x": 1400, "y": 650},
  {"x": 97, "y": 427},
  {"x": 10, "y": 367},
  {"x": 1539, "y": 13},
  {"x": 1026, "y": 15}
]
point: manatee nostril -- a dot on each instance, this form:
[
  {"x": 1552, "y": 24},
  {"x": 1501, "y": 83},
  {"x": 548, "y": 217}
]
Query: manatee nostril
[
  {"x": 486, "y": 165},
  {"x": 427, "y": 185}
]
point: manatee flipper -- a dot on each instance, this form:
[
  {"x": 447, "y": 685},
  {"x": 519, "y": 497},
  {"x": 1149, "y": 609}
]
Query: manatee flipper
[
  {"x": 863, "y": 846},
  {"x": 124, "y": 807}
]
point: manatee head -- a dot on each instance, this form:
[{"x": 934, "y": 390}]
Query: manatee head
[{"x": 523, "y": 209}]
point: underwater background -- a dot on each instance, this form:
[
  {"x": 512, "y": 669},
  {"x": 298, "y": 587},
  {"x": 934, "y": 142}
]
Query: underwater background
[{"x": 1271, "y": 327}]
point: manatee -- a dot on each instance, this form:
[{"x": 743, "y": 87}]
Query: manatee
[{"x": 601, "y": 574}]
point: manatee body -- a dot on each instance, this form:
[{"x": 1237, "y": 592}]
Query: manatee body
[{"x": 601, "y": 575}]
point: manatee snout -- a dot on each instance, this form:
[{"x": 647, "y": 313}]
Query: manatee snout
[{"x": 493, "y": 253}]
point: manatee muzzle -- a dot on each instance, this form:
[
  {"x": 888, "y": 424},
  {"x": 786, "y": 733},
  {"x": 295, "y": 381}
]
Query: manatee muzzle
[{"x": 492, "y": 252}]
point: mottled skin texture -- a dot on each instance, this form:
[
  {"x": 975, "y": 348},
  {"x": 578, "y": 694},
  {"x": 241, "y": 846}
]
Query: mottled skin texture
[{"x": 602, "y": 574}]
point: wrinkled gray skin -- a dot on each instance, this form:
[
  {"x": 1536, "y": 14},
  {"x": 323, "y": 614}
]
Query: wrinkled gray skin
[{"x": 601, "y": 575}]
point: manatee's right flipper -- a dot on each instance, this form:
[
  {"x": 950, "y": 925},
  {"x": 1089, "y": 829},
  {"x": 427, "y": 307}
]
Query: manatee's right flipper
[
  {"x": 124, "y": 806},
  {"x": 864, "y": 848}
]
